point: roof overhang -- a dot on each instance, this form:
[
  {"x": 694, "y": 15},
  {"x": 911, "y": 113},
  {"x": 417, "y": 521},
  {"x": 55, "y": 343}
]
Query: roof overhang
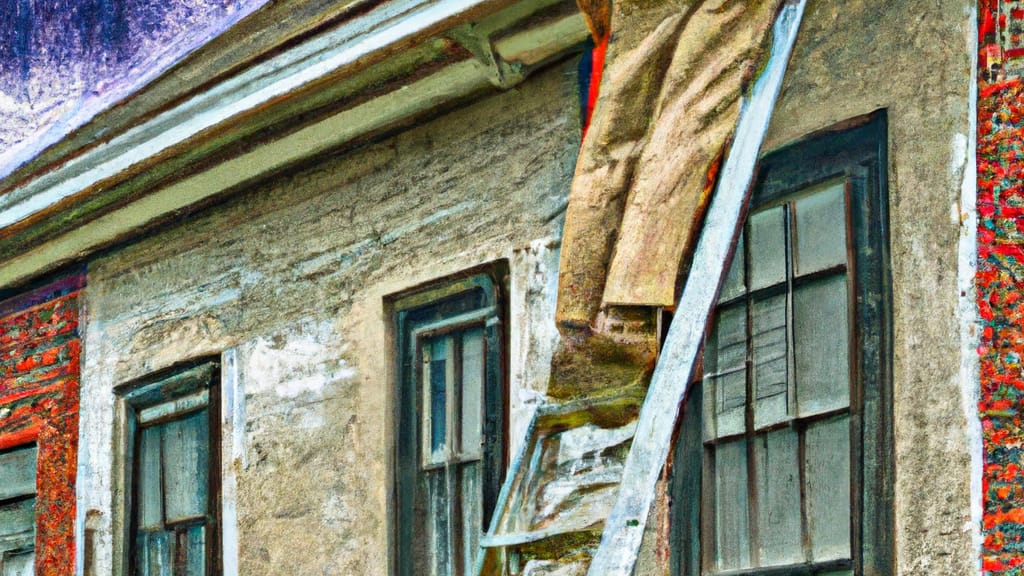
[{"x": 382, "y": 69}]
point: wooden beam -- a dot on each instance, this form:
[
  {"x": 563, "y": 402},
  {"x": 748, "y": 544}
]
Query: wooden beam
[{"x": 623, "y": 533}]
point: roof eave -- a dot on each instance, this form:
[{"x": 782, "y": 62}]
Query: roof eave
[{"x": 377, "y": 72}]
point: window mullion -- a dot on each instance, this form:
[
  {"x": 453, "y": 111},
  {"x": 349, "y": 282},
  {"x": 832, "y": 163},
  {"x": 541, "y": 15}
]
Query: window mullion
[
  {"x": 856, "y": 179},
  {"x": 748, "y": 414},
  {"x": 451, "y": 445},
  {"x": 791, "y": 406},
  {"x": 454, "y": 380},
  {"x": 163, "y": 481},
  {"x": 805, "y": 534},
  {"x": 426, "y": 400}
]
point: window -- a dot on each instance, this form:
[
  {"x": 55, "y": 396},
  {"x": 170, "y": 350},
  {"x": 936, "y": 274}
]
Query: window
[
  {"x": 783, "y": 461},
  {"x": 450, "y": 448},
  {"x": 17, "y": 511},
  {"x": 173, "y": 506}
]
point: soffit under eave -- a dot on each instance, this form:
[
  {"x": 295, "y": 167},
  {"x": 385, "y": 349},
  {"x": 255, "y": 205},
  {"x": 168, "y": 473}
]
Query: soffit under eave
[{"x": 270, "y": 28}]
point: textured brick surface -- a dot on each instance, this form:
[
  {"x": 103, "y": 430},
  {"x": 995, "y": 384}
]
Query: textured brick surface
[
  {"x": 39, "y": 367},
  {"x": 1000, "y": 281}
]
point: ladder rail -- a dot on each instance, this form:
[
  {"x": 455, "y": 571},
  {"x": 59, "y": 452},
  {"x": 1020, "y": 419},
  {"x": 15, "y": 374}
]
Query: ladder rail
[{"x": 623, "y": 532}]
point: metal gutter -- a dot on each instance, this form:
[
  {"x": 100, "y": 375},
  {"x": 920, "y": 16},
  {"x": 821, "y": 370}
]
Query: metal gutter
[{"x": 623, "y": 532}]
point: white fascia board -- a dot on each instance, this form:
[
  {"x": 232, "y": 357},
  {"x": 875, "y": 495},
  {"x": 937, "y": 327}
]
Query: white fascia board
[
  {"x": 447, "y": 84},
  {"x": 363, "y": 37}
]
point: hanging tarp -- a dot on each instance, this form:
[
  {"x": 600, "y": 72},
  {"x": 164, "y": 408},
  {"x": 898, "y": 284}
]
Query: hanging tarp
[{"x": 668, "y": 104}]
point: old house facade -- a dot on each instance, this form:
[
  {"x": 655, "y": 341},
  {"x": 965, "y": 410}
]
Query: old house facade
[{"x": 382, "y": 288}]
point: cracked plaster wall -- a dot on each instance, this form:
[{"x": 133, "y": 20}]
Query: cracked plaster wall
[{"x": 292, "y": 275}]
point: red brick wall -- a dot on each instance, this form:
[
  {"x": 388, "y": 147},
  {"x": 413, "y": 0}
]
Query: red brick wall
[{"x": 39, "y": 378}]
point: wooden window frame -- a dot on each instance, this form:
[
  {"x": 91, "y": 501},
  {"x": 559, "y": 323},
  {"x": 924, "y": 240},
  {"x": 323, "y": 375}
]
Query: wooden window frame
[
  {"x": 416, "y": 314},
  {"x": 856, "y": 151},
  {"x": 12, "y": 496},
  {"x": 179, "y": 382}
]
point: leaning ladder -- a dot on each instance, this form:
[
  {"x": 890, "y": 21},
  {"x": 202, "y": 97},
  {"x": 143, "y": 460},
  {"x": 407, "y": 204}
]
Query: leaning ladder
[
  {"x": 623, "y": 531},
  {"x": 620, "y": 541}
]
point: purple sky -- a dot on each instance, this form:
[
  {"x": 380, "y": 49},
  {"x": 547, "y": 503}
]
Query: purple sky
[{"x": 64, "y": 61}]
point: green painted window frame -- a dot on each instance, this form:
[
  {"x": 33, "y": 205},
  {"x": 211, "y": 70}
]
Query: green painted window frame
[
  {"x": 855, "y": 151},
  {"x": 474, "y": 299},
  {"x": 152, "y": 402}
]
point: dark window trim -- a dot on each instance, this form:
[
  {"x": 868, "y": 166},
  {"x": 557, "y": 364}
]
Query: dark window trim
[
  {"x": 856, "y": 150},
  {"x": 177, "y": 381},
  {"x": 493, "y": 277}
]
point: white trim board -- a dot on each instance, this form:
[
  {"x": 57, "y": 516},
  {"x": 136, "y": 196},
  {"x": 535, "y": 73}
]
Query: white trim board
[{"x": 257, "y": 86}]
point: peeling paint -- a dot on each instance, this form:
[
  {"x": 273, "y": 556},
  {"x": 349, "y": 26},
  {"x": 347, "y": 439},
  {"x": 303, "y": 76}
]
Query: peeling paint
[
  {"x": 533, "y": 335},
  {"x": 967, "y": 309},
  {"x": 293, "y": 364}
]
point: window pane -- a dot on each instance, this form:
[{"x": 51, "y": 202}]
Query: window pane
[
  {"x": 767, "y": 238},
  {"x": 821, "y": 229},
  {"x": 472, "y": 516},
  {"x": 735, "y": 282},
  {"x": 18, "y": 472},
  {"x": 725, "y": 362},
  {"x": 732, "y": 543},
  {"x": 155, "y": 550},
  {"x": 770, "y": 362},
  {"x": 150, "y": 504},
  {"x": 438, "y": 525},
  {"x": 17, "y": 518},
  {"x": 686, "y": 489},
  {"x": 778, "y": 497},
  {"x": 472, "y": 392},
  {"x": 196, "y": 551},
  {"x": 822, "y": 350},
  {"x": 827, "y": 449},
  {"x": 186, "y": 466},
  {"x": 436, "y": 390},
  {"x": 21, "y": 563}
]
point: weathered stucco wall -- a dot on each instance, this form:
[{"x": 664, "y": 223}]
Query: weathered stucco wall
[
  {"x": 912, "y": 58},
  {"x": 292, "y": 276}
]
